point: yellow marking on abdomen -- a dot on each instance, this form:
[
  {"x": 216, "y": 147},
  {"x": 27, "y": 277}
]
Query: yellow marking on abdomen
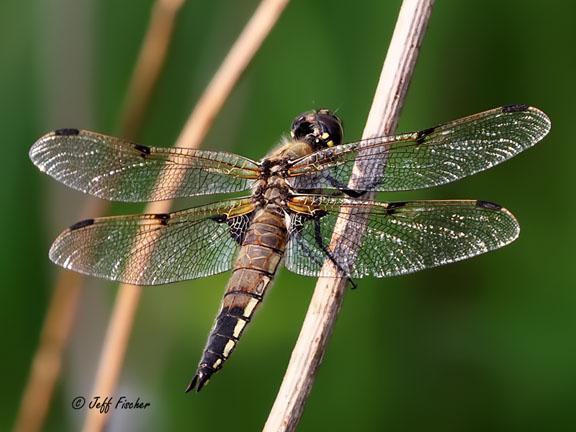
[
  {"x": 250, "y": 307},
  {"x": 238, "y": 328},
  {"x": 229, "y": 346}
]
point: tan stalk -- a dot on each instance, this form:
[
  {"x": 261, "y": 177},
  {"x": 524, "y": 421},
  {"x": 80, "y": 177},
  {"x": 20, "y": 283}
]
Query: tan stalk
[
  {"x": 194, "y": 131},
  {"x": 329, "y": 292},
  {"x": 61, "y": 314}
]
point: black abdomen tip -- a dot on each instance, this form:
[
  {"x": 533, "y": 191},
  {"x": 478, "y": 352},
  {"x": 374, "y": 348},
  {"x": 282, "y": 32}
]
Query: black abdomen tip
[
  {"x": 488, "y": 205},
  {"x": 192, "y": 384},
  {"x": 514, "y": 108},
  {"x": 67, "y": 131},
  {"x": 200, "y": 380},
  {"x": 82, "y": 224}
]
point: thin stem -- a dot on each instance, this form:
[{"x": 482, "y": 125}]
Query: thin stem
[
  {"x": 196, "y": 128},
  {"x": 61, "y": 313},
  {"x": 149, "y": 65},
  {"x": 329, "y": 292}
]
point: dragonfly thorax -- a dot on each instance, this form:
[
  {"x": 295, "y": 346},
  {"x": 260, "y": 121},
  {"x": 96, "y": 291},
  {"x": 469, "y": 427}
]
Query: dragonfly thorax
[{"x": 271, "y": 190}]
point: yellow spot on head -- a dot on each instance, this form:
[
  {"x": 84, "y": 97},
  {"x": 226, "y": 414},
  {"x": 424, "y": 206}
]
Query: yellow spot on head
[
  {"x": 229, "y": 346},
  {"x": 325, "y": 135},
  {"x": 250, "y": 307},
  {"x": 330, "y": 143},
  {"x": 217, "y": 363},
  {"x": 238, "y": 328}
]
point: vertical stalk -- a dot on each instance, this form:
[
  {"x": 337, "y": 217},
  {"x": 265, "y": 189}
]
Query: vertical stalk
[{"x": 329, "y": 292}]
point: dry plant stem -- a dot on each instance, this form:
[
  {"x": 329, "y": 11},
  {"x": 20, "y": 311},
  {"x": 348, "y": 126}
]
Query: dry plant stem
[
  {"x": 61, "y": 313},
  {"x": 329, "y": 292},
  {"x": 221, "y": 85},
  {"x": 196, "y": 128},
  {"x": 149, "y": 64},
  {"x": 47, "y": 361}
]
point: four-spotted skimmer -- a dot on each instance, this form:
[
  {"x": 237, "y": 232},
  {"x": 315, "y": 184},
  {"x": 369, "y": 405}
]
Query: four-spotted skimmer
[{"x": 298, "y": 193}]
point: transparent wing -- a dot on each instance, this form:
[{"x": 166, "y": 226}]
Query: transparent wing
[
  {"x": 427, "y": 158},
  {"x": 153, "y": 249},
  {"x": 399, "y": 238},
  {"x": 115, "y": 169}
]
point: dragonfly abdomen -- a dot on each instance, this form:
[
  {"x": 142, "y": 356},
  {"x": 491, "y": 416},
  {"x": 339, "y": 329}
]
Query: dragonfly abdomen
[{"x": 258, "y": 259}]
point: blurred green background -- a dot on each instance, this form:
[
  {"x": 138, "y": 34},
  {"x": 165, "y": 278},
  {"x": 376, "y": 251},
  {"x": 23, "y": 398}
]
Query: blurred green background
[{"x": 486, "y": 344}]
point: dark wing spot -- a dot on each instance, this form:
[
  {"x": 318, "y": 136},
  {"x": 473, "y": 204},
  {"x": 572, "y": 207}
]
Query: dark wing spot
[
  {"x": 82, "y": 224},
  {"x": 144, "y": 150},
  {"x": 421, "y": 136},
  {"x": 353, "y": 193},
  {"x": 514, "y": 108},
  {"x": 219, "y": 218},
  {"x": 393, "y": 206},
  {"x": 488, "y": 205},
  {"x": 66, "y": 131},
  {"x": 319, "y": 213},
  {"x": 163, "y": 217}
]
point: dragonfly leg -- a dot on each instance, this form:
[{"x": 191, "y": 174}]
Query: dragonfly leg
[
  {"x": 322, "y": 246},
  {"x": 343, "y": 188},
  {"x": 352, "y": 192}
]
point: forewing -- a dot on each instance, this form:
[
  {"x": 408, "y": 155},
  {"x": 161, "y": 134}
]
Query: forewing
[
  {"x": 119, "y": 170},
  {"x": 152, "y": 249},
  {"x": 398, "y": 238},
  {"x": 427, "y": 158}
]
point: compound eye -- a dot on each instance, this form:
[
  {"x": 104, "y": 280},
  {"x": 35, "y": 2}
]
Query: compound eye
[
  {"x": 320, "y": 129},
  {"x": 331, "y": 127},
  {"x": 301, "y": 127},
  {"x": 302, "y": 130}
]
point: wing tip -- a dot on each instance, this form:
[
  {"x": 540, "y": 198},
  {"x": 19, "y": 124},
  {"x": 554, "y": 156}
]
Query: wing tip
[
  {"x": 41, "y": 150},
  {"x": 545, "y": 119},
  {"x": 489, "y": 205},
  {"x": 546, "y": 122},
  {"x": 37, "y": 149}
]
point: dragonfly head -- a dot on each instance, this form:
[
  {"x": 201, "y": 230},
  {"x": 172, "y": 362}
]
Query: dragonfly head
[{"x": 319, "y": 128}]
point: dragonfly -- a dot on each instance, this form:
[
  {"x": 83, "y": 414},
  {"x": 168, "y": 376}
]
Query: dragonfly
[{"x": 299, "y": 197}]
